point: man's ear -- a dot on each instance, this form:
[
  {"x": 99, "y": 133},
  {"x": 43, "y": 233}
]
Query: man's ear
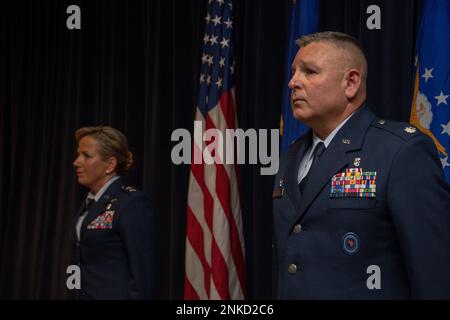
[{"x": 352, "y": 83}]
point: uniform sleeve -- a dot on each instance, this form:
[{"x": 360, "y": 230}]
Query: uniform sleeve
[
  {"x": 137, "y": 232},
  {"x": 419, "y": 202}
]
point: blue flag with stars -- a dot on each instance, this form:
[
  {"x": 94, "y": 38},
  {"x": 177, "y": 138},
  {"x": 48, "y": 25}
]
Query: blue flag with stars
[
  {"x": 430, "y": 110},
  {"x": 304, "y": 18}
]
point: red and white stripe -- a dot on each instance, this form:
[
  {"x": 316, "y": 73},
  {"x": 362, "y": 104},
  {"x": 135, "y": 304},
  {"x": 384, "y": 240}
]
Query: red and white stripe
[{"x": 215, "y": 251}]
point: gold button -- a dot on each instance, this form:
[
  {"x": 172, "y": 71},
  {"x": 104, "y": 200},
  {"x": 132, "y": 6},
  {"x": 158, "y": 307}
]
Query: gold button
[
  {"x": 297, "y": 229},
  {"x": 292, "y": 268}
]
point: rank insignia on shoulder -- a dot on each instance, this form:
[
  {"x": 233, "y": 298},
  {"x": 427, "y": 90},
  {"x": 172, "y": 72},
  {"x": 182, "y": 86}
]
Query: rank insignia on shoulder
[
  {"x": 354, "y": 182},
  {"x": 410, "y": 130}
]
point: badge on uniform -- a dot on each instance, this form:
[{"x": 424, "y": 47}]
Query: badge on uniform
[
  {"x": 350, "y": 243},
  {"x": 354, "y": 182},
  {"x": 278, "y": 193},
  {"x": 103, "y": 221}
]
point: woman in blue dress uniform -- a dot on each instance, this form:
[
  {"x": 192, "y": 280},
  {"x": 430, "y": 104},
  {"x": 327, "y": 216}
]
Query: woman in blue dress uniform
[{"x": 114, "y": 225}]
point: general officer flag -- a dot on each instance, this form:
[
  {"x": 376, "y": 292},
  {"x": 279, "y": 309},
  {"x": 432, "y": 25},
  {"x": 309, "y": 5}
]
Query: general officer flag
[
  {"x": 430, "y": 110},
  {"x": 304, "y": 17}
]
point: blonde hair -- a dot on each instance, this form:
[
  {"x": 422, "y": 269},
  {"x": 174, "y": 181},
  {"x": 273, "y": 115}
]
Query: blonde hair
[{"x": 112, "y": 143}]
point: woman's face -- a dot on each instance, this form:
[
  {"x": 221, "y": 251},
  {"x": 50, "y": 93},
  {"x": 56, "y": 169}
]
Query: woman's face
[{"x": 92, "y": 171}]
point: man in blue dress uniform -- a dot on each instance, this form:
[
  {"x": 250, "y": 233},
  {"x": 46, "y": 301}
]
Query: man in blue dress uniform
[{"x": 361, "y": 208}]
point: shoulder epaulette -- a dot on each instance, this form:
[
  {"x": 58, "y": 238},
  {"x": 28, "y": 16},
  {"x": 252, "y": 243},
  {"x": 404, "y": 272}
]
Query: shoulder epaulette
[
  {"x": 128, "y": 189},
  {"x": 402, "y": 130}
]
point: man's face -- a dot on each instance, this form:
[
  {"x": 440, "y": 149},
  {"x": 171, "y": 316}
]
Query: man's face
[{"x": 317, "y": 83}]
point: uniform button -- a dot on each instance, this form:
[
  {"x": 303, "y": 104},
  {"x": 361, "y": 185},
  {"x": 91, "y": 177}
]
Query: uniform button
[
  {"x": 297, "y": 229},
  {"x": 292, "y": 268}
]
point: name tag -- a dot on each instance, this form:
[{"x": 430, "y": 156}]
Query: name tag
[{"x": 278, "y": 193}]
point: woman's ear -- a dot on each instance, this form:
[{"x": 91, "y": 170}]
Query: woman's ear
[{"x": 112, "y": 164}]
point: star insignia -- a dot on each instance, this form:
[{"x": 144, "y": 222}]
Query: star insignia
[
  {"x": 229, "y": 23},
  {"x": 222, "y": 62},
  {"x": 441, "y": 98},
  {"x": 216, "y": 20},
  {"x": 410, "y": 129},
  {"x": 213, "y": 39},
  {"x": 446, "y": 128},
  {"x": 445, "y": 162},
  {"x": 206, "y": 39},
  {"x": 428, "y": 74},
  {"x": 225, "y": 42}
]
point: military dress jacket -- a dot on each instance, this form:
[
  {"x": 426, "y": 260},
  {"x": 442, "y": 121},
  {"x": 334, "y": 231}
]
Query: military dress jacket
[
  {"x": 116, "y": 247},
  {"x": 373, "y": 221}
]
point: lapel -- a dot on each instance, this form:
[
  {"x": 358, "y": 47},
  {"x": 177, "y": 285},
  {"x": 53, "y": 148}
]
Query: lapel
[
  {"x": 99, "y": 206},
  {"x": 79, "y": 213},
  {"x": 80, "y": 209},
  {"x": 291, "y": 172},
  {"x": 335, "y": 157}
]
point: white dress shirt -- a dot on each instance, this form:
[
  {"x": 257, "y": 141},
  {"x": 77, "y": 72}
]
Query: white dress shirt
[
  {"x": 307, "y": 159},
  {"x": 96, "y": 196}
]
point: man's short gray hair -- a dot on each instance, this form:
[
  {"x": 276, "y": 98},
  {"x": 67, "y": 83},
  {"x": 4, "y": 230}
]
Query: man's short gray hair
[{"x": 338, "y": 39}]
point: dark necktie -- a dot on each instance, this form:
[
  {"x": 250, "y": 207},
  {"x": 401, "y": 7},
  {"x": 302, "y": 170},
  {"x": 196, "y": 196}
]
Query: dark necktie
[
  {"x": 318, "y": 150},
  {"x": 88, "y": 203}
]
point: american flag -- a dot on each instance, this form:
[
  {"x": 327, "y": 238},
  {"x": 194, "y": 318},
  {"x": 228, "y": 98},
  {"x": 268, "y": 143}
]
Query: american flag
[{"x": 215, "y": 263}]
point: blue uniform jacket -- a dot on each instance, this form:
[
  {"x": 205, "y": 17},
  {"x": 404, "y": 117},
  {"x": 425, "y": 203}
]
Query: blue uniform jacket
[
  {"x": 116, "y": 248},
  {"x": 328, "y": 247}
]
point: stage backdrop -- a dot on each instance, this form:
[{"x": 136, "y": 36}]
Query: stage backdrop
[{"x": 135, "y": 65}]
